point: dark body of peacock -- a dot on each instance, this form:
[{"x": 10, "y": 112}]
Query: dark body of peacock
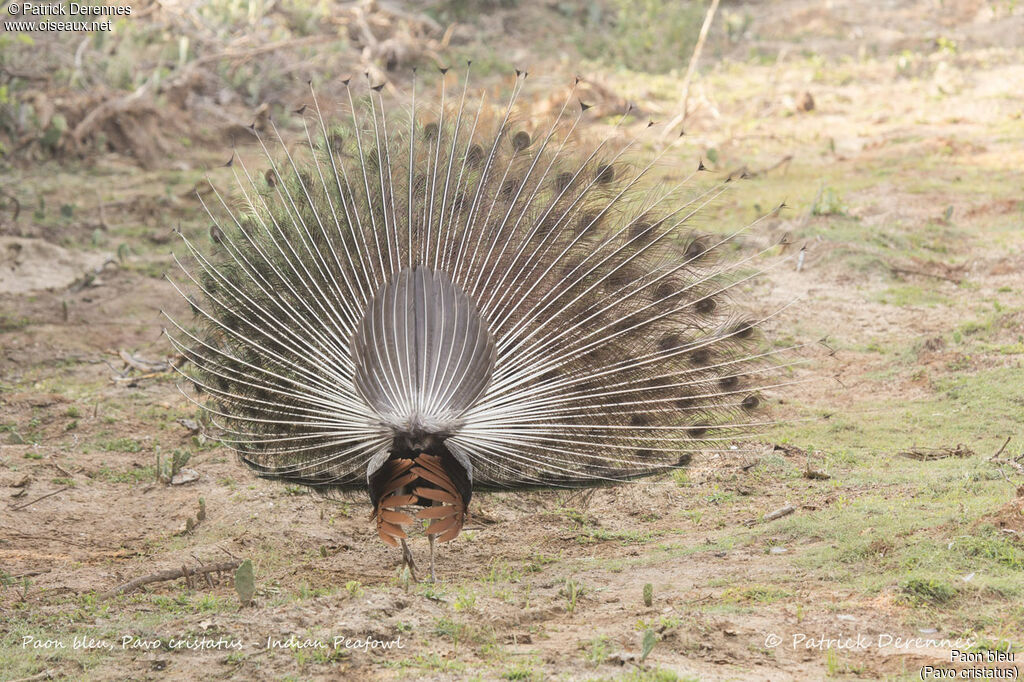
[{"x": 430, "y": 302}]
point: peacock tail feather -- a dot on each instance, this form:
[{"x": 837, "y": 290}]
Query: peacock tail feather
[{"x": 532, "y": 300}]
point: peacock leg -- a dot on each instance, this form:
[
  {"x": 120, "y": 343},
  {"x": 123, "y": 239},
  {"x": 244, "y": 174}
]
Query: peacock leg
[
  {"x": 407, "y": 560},
  {"x": 433, "y": 577}
]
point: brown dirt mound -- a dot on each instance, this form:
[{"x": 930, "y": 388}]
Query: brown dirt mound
[{"x": 33, "y": 264}]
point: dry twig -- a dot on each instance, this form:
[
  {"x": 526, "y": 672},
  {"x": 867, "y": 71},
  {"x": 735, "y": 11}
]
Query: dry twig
[
  {"x": 684, "y": 98},
  {"x": 171, "y": 574},
  {"x": 932, "y": 454},
  {"x": 55, "y": 492}
]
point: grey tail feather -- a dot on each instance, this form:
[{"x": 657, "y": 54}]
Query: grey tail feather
[
  {"x": 422, "y": 354},
  {"x": 542, "y": 303}
]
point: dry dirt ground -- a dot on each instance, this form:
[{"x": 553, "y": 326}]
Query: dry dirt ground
[{"x": 904, "y": 186}]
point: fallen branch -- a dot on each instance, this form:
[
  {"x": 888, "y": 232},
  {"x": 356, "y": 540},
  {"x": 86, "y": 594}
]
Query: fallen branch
[
  {"x": 55, "y": 492},
  {"x": 932, "y": 454},
  {"x": 45, "y": 675},
  {"x": 684, "y": 98},
  {"x": 771, "y": 516},
  {"x": 744, "y": 173},
  {"x": 143, "y": 365},
  {"x": 779, "y": 513},
  {"x": 1017, "y": 462},
  {"x": 814, "y": 474},
  {"x": 170, "y": 574},
  {"x": 249, "y": 53},
  {"x": 921, "y": 273},
  {"x": 1000, "y": 450},
  {"x": 61, "y": 469},
  {"x": 110, "y": 107}
]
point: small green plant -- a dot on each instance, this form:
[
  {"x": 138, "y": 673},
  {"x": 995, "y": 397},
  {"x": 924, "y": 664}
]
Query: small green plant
[
  {"x": 179, "y": 458},
  {"x": 354, "y": 588},
  {"x": 648, "y": 595},
  {"x": 928, "y": 590},
  {"x": 121, "y": 445},
  {"x": 598, "y": 651},
  {"x": 446, "y": 627},
  {"x": 192, "y": 523},
  {"x": 828, "y": 203},
  {"x": 572, "y": 591},
  {"x": 433, "y": 591},
  {"x": 831, "y": 663},
  {"x": 245, "y": 582},
  {"x": 466, "y": 601},
  {"x": 403, "y": 578},
  {"x": 761, "y": 594},
  {"x": 520, "y": 672},
  {"x": 947, "y": 45},
  {"x": 647, "y": 645},
  {"x": 538, "y": 560},
  {"x": 578, "y": 518},
  {"x": 209, "y": 602},
  {"x": 501, "y": 571}
]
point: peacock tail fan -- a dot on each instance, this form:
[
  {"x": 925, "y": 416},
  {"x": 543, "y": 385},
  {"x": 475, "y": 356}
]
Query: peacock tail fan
[{"x": 534, "y": 300}]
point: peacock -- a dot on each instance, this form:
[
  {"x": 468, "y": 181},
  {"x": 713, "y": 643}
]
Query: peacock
[{"x": 424, "y": 302}]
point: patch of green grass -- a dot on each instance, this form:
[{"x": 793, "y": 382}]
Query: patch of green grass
[
  {"x": 522, "y": 671},
  {"x": 465, "y": 601},
  {"x": 904, "y": 295},
  {"x": 597, "y": 650},
  {"x": 928, "y": 590},
  {"x": 501, "y": 571},
  {"x": 121, "y": 445},
  {"x": 623, "y": 537},
  {"x": 213, "y": 603},
  {"x": 828, "y": 203},
  {"x": 450, "y": 629},
  {"x": 650, "y": 675},
  {"x": 760, "y": 594},
  {"x": 989, "y": 544},
  {"x": 13, "y": 323},
  {"x": 883, "y": 427},
  {"x": 433, "y": 662},
  {"x": 177, "y": 604},
  {"x": 538, "y": 560},
  {"x": 619, "y": 32},
  {"x": 133, "y": 475},
  {"x": 572, "y": 590},
  {"x": 19, "y": 658},
  {"x": 305, "y": 591}
]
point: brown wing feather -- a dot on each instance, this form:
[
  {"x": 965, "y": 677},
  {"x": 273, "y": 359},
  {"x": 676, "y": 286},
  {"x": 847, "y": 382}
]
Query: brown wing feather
[
  {"x": 448, "y": 511},
  {"x": 389, "y": 521},
  {"x": 451, "y": 512},
  {"x": 437, "y": 495}
]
